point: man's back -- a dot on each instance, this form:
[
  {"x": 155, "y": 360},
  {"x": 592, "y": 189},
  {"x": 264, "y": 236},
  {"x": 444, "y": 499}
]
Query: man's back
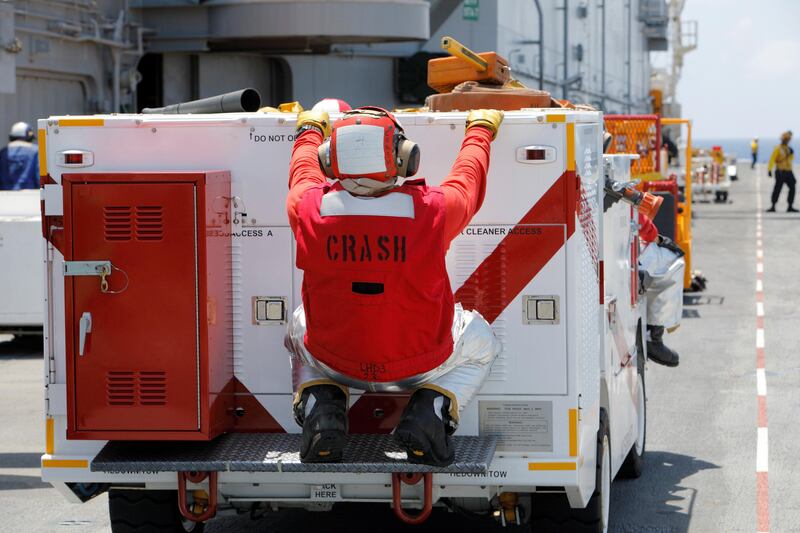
[
  {"x": 19, "y": 166},
  {"x": 381, "y": 261}
]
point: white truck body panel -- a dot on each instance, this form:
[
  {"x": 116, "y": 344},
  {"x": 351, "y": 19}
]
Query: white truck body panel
[{"x": 21, "y": 260}]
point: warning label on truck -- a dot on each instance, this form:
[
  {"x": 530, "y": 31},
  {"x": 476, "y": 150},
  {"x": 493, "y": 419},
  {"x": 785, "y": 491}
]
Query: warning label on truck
[
  {"x": 518, "y": 426},
  {"x": 327, "y": 491},
  {"x": 502, "y": 231}
]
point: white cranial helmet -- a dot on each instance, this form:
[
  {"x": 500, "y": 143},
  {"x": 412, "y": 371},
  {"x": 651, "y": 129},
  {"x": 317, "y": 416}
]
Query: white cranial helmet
[
  {"x": 21, "y": 130},
  {"x": 332, "y": 105}
]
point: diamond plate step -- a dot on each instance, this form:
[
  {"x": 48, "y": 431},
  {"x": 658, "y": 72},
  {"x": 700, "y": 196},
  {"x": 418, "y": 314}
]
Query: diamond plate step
[{"x": 278, "y": 452}]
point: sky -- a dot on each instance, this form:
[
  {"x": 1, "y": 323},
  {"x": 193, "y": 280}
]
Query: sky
[{"x": 742, "y": 81}]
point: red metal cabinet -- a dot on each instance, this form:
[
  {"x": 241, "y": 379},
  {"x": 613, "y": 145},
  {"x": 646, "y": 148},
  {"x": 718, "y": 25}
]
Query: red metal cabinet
[{"x": 153, "y": 357}]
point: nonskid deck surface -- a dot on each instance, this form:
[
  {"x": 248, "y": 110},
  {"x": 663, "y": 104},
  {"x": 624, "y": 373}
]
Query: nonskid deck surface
[{"x": 278, "y": 452}]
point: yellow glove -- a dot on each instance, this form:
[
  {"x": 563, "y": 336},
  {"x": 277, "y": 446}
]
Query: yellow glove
[
  {"x": 290, "y": 107},
  {"x": 487, "y": 118},
  {"x": 318, "y": 119}
]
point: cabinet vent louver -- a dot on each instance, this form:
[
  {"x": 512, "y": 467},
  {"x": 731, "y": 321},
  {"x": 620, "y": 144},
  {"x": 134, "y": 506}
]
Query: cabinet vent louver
[
  {"x": 121, "y": 388},
  {"x": 136, "y": 388},
  {"x": 149, "y": 223},
  {"x": 117, "y": 223}
]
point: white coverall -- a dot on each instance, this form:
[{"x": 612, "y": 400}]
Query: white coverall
[
  {"x": 460, "y": 376},
  {"x": 663, "y": 283}
]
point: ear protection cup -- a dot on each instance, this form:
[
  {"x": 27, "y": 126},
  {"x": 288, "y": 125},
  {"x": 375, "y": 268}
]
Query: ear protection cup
[
  {"x": 324, "y": 156},
  {"x": 407, "y": 157}
]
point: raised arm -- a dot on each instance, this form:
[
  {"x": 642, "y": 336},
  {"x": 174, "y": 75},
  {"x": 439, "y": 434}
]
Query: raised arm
[
  {"x": 304, "y": 170},
  {"x": 465, "y": 187},
  {"x": 647, "y": 230}
]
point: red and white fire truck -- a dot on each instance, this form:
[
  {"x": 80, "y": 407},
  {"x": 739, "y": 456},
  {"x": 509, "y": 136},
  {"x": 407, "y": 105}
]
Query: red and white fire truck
[{"x": 171, "y": 276}]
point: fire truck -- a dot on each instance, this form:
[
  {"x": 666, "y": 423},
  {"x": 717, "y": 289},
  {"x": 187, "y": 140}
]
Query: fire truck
[{"x": 170, "y": 278}]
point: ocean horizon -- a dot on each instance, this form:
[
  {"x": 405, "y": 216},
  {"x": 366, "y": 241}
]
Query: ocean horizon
[{"x": 739, "y": 147}]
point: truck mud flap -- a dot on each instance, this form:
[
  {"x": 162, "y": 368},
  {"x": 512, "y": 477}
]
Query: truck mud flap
[{"x": 278, "y": 452}]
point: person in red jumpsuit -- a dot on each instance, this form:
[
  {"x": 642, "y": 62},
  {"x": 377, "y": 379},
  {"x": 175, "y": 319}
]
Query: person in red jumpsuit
[
  {"x": 662, "y": 294},
  {"x": 378, "y": 311}
]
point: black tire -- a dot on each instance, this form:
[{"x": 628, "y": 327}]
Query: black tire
[
  {"x": 551, "y": 513},
  {"x": 152, "y": 511},
  {"x": 633, "y": 466}
]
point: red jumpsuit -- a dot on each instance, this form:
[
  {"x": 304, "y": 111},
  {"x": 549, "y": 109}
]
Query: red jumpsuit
[{"x": 463, "y": 190}]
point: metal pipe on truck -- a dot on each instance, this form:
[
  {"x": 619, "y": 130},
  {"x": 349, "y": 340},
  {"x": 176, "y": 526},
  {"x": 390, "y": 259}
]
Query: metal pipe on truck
[
  {"x": 247, "y": 100},
  {"x": 646, "y": 203}
]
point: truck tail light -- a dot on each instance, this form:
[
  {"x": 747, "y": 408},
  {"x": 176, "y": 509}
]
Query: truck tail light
[
  {"x": 75, "y": 158},
  {"x": 536, "y": 154}
]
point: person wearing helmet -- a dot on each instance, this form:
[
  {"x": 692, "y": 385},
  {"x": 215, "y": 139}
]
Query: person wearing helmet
[
  {"x": 378, "y": 312},
  {"x": 19, "y": 160},
  {"x": 781, "y": 159},
  {"x": 754, "y": 152}
]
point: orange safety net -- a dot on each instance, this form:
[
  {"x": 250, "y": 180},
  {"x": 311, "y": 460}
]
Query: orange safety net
[{"x": 636, "y": 134}]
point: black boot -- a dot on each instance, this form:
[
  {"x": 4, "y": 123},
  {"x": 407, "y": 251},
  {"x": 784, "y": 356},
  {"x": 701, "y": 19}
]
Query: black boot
[
  {"x": 322, "y": 411},
  {"x": 792, "y": 210},
  {"x": 425, "y": 428},
  {"x": 657, "y": 351},
  {"x": 771, "y": 209}
]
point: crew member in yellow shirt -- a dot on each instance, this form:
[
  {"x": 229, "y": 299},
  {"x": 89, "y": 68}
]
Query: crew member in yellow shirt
[
  {"x": 754, "y": 152},
  {"x": 781, "y": 159}
]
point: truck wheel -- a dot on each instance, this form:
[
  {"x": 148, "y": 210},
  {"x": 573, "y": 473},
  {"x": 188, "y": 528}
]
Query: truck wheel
[
  {"x": 634, "y": 462},
  {"x": 552, "y": 513},
  {"x": 154, "y": 511}
]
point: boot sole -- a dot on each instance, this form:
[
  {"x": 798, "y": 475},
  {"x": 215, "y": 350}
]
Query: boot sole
[
  {"x": 408, "y": 440},
  {"x": 326, "y": 447},
  {"x": 664, "y": 363}
]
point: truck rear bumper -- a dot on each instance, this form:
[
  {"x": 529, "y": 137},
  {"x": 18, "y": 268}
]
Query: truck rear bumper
[
  {"x": 480, "y": 473},
  {"x": 278, "y": 452}
]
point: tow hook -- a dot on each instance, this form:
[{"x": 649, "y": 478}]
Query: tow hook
[
  {"x": 412, "y": 479},
  {"x": 508, "y": 514},
  {"x": 204, "y": 506}
]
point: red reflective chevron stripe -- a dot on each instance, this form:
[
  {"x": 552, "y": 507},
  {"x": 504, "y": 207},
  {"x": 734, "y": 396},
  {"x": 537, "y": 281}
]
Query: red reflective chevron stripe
[{"x": 519, "y": 257}]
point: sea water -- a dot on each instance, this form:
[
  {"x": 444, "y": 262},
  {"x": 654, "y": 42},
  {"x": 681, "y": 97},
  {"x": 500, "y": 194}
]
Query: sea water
[{"x": 739, "y": 147}]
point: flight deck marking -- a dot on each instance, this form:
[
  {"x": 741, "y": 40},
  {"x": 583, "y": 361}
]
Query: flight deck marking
[{"x": 762, "y": 436}]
